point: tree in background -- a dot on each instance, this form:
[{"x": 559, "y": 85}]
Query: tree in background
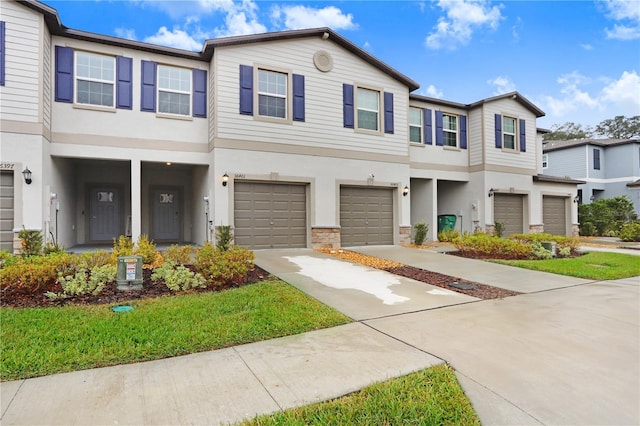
[
  {"x": 619, "y": 127},
  {"x": 567, "y": 131},
  {"x": 605, "y": 217}
]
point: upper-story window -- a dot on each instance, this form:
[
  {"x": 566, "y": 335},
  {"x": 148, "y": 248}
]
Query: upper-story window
[
  {"x": 596, "y": 159},
  {"x": 174, "y": 90},
  {"x": 450, "y": 129},
  {"x": 95, "y": 79},
  {"x": 545, "y": 161},
  {"x": 509, "y": 133},
  {"x": 272, "y": 94},
  {"x": 368, "y": 109},
  {"x": 415, "y": 125}
]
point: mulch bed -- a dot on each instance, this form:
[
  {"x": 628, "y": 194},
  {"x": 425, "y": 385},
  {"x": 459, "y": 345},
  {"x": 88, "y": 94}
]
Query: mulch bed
[{"x": 15, "y": 298}]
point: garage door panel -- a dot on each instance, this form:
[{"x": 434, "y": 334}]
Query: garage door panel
[
  {"x": 6, "y": 210},
  {"x": 554, "y": 215},
  {"x": 270, "y": 215},
  {"x": 509, "y": 210},
  {"x": 366, "y": 216}
]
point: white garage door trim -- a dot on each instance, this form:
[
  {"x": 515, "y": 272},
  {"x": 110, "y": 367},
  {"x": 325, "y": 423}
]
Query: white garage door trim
[
  {"x": 270, "y": 215},
  {"x": 366, "y": 216}
]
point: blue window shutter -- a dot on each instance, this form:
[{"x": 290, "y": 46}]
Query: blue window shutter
[
  {"x": 388, "y": 112},
  {"x": 498, "y": 121},
  {"x": 463, "y": 131},
  {"x": 246, "y": 90},
  {"x": 124, "y": 88},
  {"x": 2, "y": 51},
  {"x": 199, "y": 93},
  {"x": 298, "y": 97},
  {"x": 148, "y": 96},
  {"x": 64, "y": 74},
  {"x": 347, "y": 105},
  {"x": 439, "y": 131},
  {"x": 523, "y": 136},
  {"x": 428, "y": 127}
]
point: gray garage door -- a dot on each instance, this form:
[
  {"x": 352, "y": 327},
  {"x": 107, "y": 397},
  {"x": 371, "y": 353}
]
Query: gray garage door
[
  {"x": 268, "y": 215},
  {"x": 509, "y": 209},
  {"x": 6, "y": 211},
  {"x": 554, "y": 215},
  {"x": 366, "y": 216}
]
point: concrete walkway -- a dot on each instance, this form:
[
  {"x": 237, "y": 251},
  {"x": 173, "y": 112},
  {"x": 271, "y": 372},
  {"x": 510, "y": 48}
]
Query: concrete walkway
[{"x": 567, "y": 353}]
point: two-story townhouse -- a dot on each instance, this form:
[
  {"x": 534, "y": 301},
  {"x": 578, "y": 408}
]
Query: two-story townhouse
[
  {"x": 295, "y": 139},
  {"x": 608, "y": 167}
]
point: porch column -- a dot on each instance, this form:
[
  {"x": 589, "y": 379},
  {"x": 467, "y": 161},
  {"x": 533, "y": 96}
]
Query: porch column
[
  {"x": 136, "y": 197},
  {"x": 432, "y": 196}
]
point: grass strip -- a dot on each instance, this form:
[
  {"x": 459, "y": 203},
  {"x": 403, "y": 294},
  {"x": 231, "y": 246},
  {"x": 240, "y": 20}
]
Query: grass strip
[
  {"x": 36, "y": 342},
  {"x": 428, "y": 397},
  {"x": 593, "y": 265}
]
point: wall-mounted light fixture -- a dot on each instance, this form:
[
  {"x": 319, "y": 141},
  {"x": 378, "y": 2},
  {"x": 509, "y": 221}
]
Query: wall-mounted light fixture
[
  {"x": 27, "y": 176},
  {"x": 576, "y": 199},
  {"x": 405, "y": 191},
  {"x": 593, "y": 197},
  {"x": 491, "y": 192},
  {"x": 225, "y": 179}
]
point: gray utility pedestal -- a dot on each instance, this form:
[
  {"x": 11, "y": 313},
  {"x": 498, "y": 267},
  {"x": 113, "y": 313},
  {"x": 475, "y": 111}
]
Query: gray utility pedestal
[{"x": 129, "y": 276}]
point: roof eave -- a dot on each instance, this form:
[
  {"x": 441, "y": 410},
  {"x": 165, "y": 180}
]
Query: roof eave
[{"x": 557, "y": 179}]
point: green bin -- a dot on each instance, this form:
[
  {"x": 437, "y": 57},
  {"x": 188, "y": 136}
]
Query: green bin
[{"x": 446, "y": 222}]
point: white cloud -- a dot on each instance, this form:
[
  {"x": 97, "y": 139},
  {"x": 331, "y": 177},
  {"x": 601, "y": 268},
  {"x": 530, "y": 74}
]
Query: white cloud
[
  {"x": 624, "y": 93},
  {"x": 176, "y": 37},
  {"x": 128, "y": 33},
  {"x": 572, "y": 96},
  {"x": 463, "y": 17},
  {"x": 626, "y": 11},
  {"x": 503, "y": 85},
  {"x": 297, "y": 17},
  {"x": 434, "y": 92},
  {"x": 586, "y": 46}
]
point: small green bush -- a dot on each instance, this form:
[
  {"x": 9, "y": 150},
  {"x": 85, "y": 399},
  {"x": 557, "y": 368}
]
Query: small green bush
[
  {"x": 539, "y": 252},
  {"x": 51, "y": 248},
  {"x": 178, "y": 277},
  {"x": 420, "y": 234},
  {"x": 7, "y": 259},
  {"x": 179, "y": 254},
  {"x": 95, "y": 258},
  {"x": 498, "y": 229},
  {"x": 146, "y": 249},
  {"x": 34, "y": 273},
  {"x": 563, "y": 251},
  {"x": 630, "y": 231},
  {"x": 123, "y": 246},
  {"x": 561, "y": 241},
  {"x": 448, "y": 235},
  {"x": 223, "y": 267},
  {"x": 84, "y": 281},
  {"x": 223, "y": 237},
  {"x": 486, "y": 246},
  {"x": 31, "y": 242}
]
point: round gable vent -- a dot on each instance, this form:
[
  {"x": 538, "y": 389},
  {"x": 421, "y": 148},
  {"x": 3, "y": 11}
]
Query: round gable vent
[{"x": 323, "y": 61}]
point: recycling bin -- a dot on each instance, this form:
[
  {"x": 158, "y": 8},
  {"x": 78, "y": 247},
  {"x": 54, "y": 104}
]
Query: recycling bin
[{"x": 446, "y": 222}]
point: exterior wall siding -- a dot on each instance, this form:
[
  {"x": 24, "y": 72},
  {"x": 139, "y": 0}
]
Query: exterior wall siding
[
  {"x": 475, "y": 137},
  {"x": 47, "y": 85},
  {"x": 323, "y": 125},
  {"x": 20, "y": 100},
  {"x": 567, "y": 162}
]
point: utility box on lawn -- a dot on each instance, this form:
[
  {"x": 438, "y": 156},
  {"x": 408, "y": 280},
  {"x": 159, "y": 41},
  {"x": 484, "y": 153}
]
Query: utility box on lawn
[{"x": 129, "y": 275}]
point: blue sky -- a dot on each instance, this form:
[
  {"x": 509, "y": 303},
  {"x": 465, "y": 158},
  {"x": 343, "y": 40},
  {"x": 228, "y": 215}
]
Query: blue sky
[{"x": 579, "y": 61}]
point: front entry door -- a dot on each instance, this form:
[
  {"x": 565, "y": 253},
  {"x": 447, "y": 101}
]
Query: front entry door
[
  {"x": 166, "y": 214},
  {"x": 104, "y": 207}
]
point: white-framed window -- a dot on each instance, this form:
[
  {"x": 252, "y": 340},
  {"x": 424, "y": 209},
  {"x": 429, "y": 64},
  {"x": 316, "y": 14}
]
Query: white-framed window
[
  {"x": 368, "y": 103},
  {"x": 174, "y": 90},
  {"x": 545, "y": 161},
  {"x": 415, "y": 125},
  {"x": 450, "y": 130},
  {"x": 272, "y": 93},
  {"x": 95, "y": 79},
  {"x": 509, "y": 131}
]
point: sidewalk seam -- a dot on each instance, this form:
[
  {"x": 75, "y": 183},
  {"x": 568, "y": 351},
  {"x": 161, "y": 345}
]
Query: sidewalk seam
[
  {"x": 12, "y": 398},
  {"x": 258, "y": 379}
]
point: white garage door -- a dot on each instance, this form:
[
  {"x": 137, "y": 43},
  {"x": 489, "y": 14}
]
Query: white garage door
[
  {"x": 366, "y": 216},
  {"x": 509, "y": 210},
  {"x": 6, "y": 210},
  {"x": 554, "y": 215},
  {"x": 268, "y": 215}
]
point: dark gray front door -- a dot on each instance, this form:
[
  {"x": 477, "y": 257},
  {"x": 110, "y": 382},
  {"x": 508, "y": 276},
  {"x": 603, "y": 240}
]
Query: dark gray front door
[
  {"x": 104, "y": 207},
  {"x": 167, "y": 219}
]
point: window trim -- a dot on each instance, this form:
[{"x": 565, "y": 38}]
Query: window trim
[
  {"x": 76, "y": 78},
  {"x": 420, "y": 127},
  {"x": 380, "y": 122},
  {"x": 516, "y": 134},
  {"x": 456, "y": 132},
  {"x": 288, "y": 98},
  {"x": 159, "y": 89},
  {"x": 594, "y": 158},
  {"x": 545, "y": 161}
]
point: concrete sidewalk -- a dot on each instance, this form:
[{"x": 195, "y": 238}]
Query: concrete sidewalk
[{"x": 215, "y": 387}]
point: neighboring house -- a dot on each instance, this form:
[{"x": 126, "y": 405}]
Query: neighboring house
[
  {"x": 295, "y": 139},
  {"x": 608, "y": 167}
]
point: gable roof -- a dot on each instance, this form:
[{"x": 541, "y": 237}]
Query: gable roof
[
  {"x": 57, "y": 28},
  {"x": 572, "y": 143},
  {"x": 511, "y": 95}
]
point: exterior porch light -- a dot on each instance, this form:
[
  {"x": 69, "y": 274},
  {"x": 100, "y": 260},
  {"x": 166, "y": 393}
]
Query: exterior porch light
[
  {"x": 225, "y": 179},
  {"x": 576, "y": 199},
  {"x": 491, "y": 192},
  {"x": 405, "y": 191},
  {"x": 27, "y": 175}
]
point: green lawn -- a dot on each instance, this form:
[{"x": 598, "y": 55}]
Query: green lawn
[
  {"x": 593, "y": 265},
  {"x": 36, "y": 342},
  {"x": 429, "y": 397}
]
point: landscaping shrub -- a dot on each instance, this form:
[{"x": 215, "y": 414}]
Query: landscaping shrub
[
  {"x": 179, "y": 254},
  {"x": 539, "y": 252},
  {"x": 7, "y": 259},
  {"x": 178, "y": 277},
  {"x": 123, "y": 246},
  {"x": 486, "y": 246},
  {"x": 630, "y": 231},
  {"x": 223, "y": 267},
  {"x": 498, "y": 229},
  {"x": 84, "y": 281},
  {"x": 146, "y": 249},
  {"x": 562, "y": 242},
  {"x": 448, "y": 235},
  {"x": 420, "y": 235},
  {"x": 34, "y": 273},
  {"x": 95, "y": 258},
  {"x": 31, "y": 242},
  {"x": 605, "y": 217},
  {"x": 223, "y": 237}
]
